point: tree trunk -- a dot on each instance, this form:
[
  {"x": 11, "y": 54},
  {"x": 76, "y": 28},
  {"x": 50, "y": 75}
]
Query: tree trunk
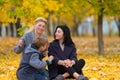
[
  {"x": 110, "y": 31},
  {"x": 118, "y": 25},
  {"x": 49, "y": 24},
  {"x": 3, "y": 31},
  {"x": 18, "y": 25},
  {"x": 58, "y": 20},
  {"x": 7, "y": 31},
  {"x": 83, "y": 31},
  {"x": 119, "y": 30},
  {"x": 100, "y": 33},
  {"x": 76, "y": 25},
  {"x": 0, "y": 27},
  {"x": 75, "y": 31},
  {"x": 94, "y": 31},
  {"x": 11, "y": 28},
  {"x": 14, "y": 31}
]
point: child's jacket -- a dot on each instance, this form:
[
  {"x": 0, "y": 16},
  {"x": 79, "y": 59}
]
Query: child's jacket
[{"x": 30, "y": 64}]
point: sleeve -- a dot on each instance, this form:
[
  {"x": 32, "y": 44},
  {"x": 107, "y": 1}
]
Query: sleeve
[
  {"x": 17, "y": 49},
  {"x": 73, "y": 55},
  {"x": 36, "y": 62},
  {"x": 43, "y": 55},
  {"x": 53, "y": 53}
]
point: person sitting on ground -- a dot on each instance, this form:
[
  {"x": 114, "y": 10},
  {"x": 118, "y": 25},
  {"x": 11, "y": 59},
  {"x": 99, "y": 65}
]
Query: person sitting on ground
[
  {"x": 31, "y": 66},
  {"x": 65, "y": 63}
]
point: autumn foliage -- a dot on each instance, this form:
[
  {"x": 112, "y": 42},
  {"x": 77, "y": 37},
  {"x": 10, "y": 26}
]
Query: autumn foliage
[{"x": 98, "y": 67}]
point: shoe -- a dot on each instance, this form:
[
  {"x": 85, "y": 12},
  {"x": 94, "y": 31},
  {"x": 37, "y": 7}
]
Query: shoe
[
  {"x": 81, "y": 77},
  {"x": 59, "y": 77},
  {"x": 85, "y": 78}
]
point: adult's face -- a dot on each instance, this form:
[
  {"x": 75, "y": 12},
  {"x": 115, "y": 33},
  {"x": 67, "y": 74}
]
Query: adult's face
[
  {"x": 39, "y": 27},
  {"x": 59, "y": 34}
]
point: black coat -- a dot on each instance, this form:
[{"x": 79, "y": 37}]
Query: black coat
[{"x": 55, "y": 50}]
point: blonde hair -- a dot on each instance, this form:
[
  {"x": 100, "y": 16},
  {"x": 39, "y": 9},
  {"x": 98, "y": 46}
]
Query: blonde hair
[{"x": 40, "y": 19}]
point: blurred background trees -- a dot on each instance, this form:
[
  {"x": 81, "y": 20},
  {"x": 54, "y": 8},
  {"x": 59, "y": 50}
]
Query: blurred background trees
[{"x": 84, "y": 17}]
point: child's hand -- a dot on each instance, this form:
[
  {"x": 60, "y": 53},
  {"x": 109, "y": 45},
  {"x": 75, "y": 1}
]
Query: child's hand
[
  {"x": 51, "y": 57},
  {"x": 49, "y": 61}
]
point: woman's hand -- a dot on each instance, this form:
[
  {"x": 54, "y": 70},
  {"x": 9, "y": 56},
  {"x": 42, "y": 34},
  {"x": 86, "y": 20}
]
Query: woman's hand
[
  {"x": 61, "y": 62},
  {"x": 66, "y": 63},
  {"x": 69, "y": 63},
  {"x": 20, "y": 43}
]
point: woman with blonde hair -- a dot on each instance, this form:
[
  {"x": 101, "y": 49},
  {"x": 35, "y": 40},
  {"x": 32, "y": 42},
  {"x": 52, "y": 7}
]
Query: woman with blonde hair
[
  {"x": 39, "y": 28},
  {"x": 27, "y": 39}
]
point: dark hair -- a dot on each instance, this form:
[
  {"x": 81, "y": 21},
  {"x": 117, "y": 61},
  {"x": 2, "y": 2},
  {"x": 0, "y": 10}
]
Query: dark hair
[
  {"x": 66, "y": 33},
  {"x": 40, "y": 41}
]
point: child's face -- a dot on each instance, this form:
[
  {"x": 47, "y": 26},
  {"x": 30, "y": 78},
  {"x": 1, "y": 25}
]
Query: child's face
[{"x": 43, "y": 48}]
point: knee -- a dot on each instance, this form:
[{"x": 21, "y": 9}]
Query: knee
[{"x": 82, "y": 61}]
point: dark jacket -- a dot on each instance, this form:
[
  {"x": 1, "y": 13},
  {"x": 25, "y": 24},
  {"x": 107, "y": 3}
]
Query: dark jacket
[
  {"x": 55, "y": 50},
  {"x": 30, "y": 64}
]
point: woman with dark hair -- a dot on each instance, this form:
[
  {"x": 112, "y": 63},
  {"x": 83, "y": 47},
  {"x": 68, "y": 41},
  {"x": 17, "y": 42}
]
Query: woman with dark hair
[{"x": 65, "y": 63}]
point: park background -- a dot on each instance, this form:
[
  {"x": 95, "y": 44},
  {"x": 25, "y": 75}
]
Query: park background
[{"x": 94, "y": 25}]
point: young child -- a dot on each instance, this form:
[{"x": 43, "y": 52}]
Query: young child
[{"x": 31, "y": 66}]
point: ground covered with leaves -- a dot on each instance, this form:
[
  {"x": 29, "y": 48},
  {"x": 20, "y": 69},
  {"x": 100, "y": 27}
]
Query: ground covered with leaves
[{"x": 98, "y": 67}]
